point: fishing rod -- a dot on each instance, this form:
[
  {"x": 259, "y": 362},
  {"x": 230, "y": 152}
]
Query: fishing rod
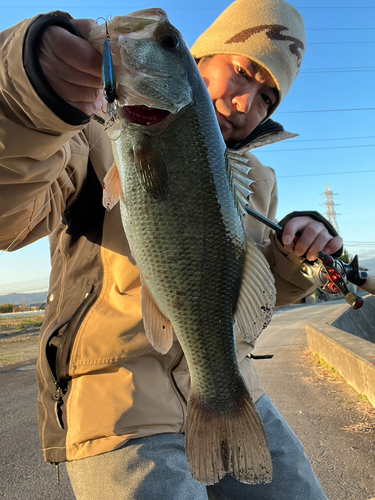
[{"x": 327, "y": 273}]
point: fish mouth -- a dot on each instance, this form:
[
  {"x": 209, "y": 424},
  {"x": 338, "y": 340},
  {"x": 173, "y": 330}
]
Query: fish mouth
[{"x": 143, "y": 115}]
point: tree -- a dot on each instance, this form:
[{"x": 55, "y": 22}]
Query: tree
[
  {"x": 345, "y": 257},
  {"x": 6, "y": 308}
]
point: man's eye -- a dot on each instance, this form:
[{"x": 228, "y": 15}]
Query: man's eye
[
  {"x": 241, "y": 71},
  {"x": 267, "y": 100}
]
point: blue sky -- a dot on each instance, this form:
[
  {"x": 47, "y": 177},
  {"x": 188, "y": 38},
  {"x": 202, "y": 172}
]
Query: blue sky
[{"x": 331, "y": 106}]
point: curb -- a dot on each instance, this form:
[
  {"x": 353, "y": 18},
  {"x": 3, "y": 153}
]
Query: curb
[{"x": 352, "y": 357}]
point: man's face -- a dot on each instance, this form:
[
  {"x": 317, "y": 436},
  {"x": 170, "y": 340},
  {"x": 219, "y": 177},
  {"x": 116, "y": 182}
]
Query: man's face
[{"x": 241, "y": 92}]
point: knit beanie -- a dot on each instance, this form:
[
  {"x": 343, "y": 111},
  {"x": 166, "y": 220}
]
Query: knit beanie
[{"x": 269, "y": 32}]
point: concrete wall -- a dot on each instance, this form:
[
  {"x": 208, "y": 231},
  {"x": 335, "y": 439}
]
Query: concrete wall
[
  {"x": 351, "y": 356},
  {"x": 360, "y": 323}
]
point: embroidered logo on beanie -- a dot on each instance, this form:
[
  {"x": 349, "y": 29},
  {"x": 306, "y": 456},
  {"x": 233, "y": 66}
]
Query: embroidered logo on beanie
[{"x": 273, "y": 32}]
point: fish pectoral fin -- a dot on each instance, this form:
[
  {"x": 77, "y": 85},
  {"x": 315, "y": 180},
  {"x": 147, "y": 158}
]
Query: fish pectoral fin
[
  {"x": 152, "y": 169},
  {"x": 111, "y": 191},
  {"x": 158, "y": 328},
  {"x": 257, "y": 297},
  {"x": 232, "y": 442}
]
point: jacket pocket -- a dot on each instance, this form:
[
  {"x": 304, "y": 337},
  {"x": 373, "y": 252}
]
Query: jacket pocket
[{"x": 58, "y": 351}]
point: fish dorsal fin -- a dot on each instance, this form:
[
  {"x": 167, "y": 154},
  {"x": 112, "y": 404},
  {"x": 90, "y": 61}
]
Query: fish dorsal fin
[
  {"x": 238, "y": 171},
  {"x": 158, "y": 328},
  {"x": 151, "y": 168},
  {"x": 257, "y": 295},
  {"x": 111, "y": 191}
]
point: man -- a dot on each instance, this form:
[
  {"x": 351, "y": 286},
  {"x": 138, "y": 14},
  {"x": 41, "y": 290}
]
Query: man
[{"x": 109, "y": 405}]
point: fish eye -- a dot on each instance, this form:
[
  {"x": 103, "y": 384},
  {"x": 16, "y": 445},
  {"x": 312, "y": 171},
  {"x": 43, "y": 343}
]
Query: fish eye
[{"x": 171, "y": 42}]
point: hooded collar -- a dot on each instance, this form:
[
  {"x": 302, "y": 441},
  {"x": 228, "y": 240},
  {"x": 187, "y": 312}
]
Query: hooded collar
[{"x": 268, "y": 132}]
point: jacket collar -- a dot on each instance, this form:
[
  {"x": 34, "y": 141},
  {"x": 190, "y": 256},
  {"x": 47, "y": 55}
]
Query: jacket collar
[{"x": 266, "y": 133}]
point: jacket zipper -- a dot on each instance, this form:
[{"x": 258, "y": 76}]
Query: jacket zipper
[
  {"x": 65, "y": 346},
  {"x": 59, "y": 381},
  {"x": 59, "y": 393},
  {"x": 58, "y": 390}
]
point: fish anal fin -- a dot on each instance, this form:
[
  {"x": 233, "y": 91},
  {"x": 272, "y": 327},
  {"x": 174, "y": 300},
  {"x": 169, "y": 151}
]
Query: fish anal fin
[
  {"x": 151, "y": 168},
  {"x": 232, "y": 443},
  {"x": 111, "y": 191},
  {"x": 158, "y": 328},
  {"x": 257, "y": 297}
]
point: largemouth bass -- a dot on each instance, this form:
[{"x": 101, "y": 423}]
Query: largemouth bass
[{"x": 199, "y": 270}]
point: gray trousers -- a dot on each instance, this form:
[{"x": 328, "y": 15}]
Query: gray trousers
[{"x": 155, "y": 468}]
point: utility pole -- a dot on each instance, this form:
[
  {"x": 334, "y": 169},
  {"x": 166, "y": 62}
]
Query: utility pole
[{"x": 330, "y": 207}]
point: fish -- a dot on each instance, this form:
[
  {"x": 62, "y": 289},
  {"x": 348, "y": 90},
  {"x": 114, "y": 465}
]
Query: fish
[{"x": 182, "y": 201}]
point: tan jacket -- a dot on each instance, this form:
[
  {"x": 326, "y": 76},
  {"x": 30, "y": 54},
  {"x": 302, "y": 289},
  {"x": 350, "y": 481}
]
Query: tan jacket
[{"x": 100, "y": 381}]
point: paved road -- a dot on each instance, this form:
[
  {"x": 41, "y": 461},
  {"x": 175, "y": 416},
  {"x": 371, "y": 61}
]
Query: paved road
[
  {"x": 317, "y": 412},
  {"x": 23, "y": 474}
]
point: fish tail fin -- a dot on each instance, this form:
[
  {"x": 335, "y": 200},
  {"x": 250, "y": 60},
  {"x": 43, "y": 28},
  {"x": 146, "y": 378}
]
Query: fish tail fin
[{"x": 232, "y": 443}]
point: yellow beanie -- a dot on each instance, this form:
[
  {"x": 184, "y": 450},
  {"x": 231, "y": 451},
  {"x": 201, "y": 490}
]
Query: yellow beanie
[{"x": 269, "y": 32}]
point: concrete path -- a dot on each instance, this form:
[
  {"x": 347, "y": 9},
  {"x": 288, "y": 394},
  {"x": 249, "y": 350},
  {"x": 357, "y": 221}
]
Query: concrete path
[{"x": 317, "y": 408}]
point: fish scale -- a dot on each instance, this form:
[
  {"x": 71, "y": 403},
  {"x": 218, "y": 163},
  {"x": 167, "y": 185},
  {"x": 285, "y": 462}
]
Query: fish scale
[{"x": 187, "y": 217}]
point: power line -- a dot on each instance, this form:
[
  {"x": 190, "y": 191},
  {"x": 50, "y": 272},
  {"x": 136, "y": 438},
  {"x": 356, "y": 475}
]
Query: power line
[
  {"x": 327, "y": 110},
  {"x": 326, "y": 173},
  {"x": 308, "y": 29},
  {"x": 359, "y": 244},
  {"x": 316, "y": 149},
  {"x": 337, "y": 70},
  {"x": 335, "y": 139},
  {"x": 338, "y": 29},
  {"x": 330, "y": 43},
  {"x": 330, "y": 69},
  {"x": 352, "y": 8}
]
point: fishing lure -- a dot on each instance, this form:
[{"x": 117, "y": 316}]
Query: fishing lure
[
  {"x": 109, "y": 87},
  {"x": 108, "y": 72}
]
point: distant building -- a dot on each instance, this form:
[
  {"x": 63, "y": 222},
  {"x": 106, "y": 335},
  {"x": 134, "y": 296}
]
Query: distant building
[{"x": 36, "y": 306}]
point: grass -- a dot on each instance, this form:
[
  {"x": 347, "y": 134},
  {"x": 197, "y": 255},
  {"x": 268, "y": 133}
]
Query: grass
[
  {"x": 324, "y": 372},
  {"x": 322, "y": 369},
  {"x": 24, "y": 324},
  {"x": 20, "y": 323}
]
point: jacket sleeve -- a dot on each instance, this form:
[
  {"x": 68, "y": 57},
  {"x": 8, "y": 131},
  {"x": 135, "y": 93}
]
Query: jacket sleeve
[
  {"x": 36, "y": 174},
  {"x": 285, "y": 266}
]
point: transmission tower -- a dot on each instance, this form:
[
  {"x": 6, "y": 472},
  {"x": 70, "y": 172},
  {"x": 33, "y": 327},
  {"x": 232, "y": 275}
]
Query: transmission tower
[{"x": 330, "y": 207}]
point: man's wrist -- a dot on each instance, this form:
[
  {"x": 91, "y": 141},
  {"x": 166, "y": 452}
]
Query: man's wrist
[{"x": 31, "y": 50}]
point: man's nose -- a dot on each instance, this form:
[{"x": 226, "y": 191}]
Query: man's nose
[{"x": 243, "y": 102}]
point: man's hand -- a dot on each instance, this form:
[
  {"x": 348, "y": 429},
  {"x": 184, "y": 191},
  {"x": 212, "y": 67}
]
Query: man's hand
[
  {"x": 73, "y": 67},
  {"x": 313, "y": 237}
]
